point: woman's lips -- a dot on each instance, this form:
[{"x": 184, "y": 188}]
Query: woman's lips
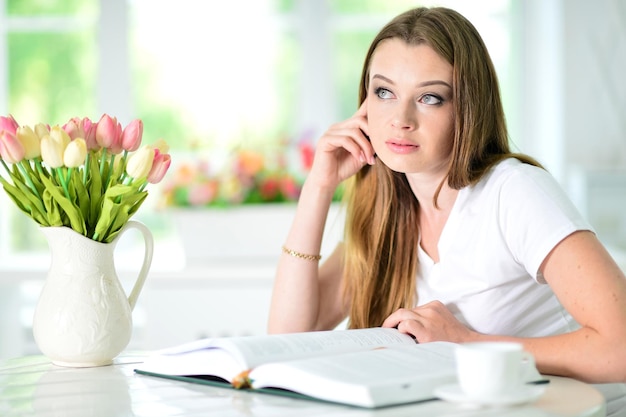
[{"x": 401, "y": 146}]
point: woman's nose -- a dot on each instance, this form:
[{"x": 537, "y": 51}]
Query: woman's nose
[{"x": 404, "y": 118}]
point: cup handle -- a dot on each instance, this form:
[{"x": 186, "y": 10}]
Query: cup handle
[{"x": 147, "y": 259}]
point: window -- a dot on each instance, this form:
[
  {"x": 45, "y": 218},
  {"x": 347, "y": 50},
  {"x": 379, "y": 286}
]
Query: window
[{"x": 205, "y": 76}]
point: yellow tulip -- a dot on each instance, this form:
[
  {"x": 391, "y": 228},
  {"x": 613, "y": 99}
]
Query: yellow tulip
[
  {"x": 161, "y": 145},
  {"x": 75, "y": 153},
  {"x": 41, "y": 130},
  {"x": 60, "y": 136},
  {"x": 52, "y": 152},
  {"x": 30, "y": 141},
  {"x": 140, "y": 163}
]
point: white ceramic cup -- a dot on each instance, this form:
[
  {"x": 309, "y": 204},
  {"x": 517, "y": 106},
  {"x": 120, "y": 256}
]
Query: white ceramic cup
[{"x": 488, "y": 370}]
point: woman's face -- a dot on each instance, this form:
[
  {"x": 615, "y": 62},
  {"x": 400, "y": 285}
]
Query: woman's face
[{"x": 409, "y": 108}]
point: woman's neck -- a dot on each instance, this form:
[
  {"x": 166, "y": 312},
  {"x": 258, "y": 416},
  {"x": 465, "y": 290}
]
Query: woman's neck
[
  {"x": 433, "y": 214},
  {"x": 425, "y": 189}
]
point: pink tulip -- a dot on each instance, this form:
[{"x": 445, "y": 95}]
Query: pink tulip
[
  {"x": 90, "y": 135},
  {"x": 8, "y": 123},
  {"x": 160, "y": 165},
  {"x": 74, "y": 128},
  {"x": 30, "y": 141},
  {"x": 83, "y": 128},
  {"x": 131, "y": 135},
  {"x": 11, "y": 149},
  {"x": 109, "y": 134}
]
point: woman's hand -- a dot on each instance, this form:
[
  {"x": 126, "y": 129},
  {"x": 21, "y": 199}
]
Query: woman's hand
[
  {"x": 431, "y": 322},
  {"x": 342, "y": 151}
]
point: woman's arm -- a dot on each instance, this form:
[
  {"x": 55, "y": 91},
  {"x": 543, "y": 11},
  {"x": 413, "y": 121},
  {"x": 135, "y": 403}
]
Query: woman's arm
[
  {"x": 591, "y": 287},
  {"x": 307, "y": 296}
]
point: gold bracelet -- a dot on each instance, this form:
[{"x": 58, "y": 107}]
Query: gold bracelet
[{"x": 301, "y": 255}]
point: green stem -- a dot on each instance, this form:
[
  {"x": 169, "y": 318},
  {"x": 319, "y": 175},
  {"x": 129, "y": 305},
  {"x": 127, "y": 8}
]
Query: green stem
[
  {"x": 123, "y": 177},
  {"x": 5, "y": 166},
  {"x": 111, "y": 168},
  {"x": 103, "y": 158},
  {"x": 39, "y": 167},
  {"x": 86, "y": 169},
  {"x": 63, "y": 182},
  {"x": 105, "y": 184},
  {"x": 28, "y": 180}
]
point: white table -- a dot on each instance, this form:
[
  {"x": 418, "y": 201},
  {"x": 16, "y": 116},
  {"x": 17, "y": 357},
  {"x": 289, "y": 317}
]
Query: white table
[{"x": 32, "y": 386}]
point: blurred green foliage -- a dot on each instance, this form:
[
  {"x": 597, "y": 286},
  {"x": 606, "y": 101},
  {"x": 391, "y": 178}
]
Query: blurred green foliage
[
  {"x": 53, "y": 71},
  {"x": 52, "y": 76},
  {"x": 51, "y": 7}
]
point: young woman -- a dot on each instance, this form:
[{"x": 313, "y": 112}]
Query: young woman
[{"x": 449, "y": 235}]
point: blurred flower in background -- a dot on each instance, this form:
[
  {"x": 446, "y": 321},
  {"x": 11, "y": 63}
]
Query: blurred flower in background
[{"x": 248, "y": 176}]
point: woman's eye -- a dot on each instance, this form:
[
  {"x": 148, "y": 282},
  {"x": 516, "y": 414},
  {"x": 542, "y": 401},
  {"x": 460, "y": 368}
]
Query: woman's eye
[
  {"x": 383, "y": 93},
  {"x": 431, "y": 99}
]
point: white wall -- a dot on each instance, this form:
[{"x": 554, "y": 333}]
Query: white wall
[
  {"x": 571, "y": 61},
  {"x": 572, "y": 83}
]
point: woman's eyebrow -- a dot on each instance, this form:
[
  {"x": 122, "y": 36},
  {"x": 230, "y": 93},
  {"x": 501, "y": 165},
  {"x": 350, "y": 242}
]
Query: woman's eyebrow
[{"x": 422, "y": 84}]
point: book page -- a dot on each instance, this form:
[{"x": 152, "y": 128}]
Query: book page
[
  {"x": 228, "y": 357},
  {"x": 371, "y": 378},
  {"x": 256, "y": 350},
  {"x": 213, "y": 362}
]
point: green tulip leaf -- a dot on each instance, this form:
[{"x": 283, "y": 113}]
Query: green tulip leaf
[
  {"x": 54, "y": 215},
  {"x": 120, "y": 202},
  {"x": 73, "y": 213},
  {"x": 26, "y": 201},
  {"x": 79, "y": 190}
]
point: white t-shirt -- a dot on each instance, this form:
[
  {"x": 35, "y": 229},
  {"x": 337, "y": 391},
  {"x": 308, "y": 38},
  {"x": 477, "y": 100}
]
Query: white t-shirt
[{"x": 490, "y": 250}]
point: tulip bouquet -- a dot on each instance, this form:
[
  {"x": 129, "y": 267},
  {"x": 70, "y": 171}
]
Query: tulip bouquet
[{"x": 89, "y": 176}]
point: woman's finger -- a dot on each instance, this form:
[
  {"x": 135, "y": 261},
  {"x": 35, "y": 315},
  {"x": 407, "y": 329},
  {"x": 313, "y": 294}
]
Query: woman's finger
[
  {"x": 398, "y": 316},
  {"x": 412, "y": 327}
]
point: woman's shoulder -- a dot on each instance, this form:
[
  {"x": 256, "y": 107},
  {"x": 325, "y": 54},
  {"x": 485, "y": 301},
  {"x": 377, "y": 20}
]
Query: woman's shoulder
[
  {"x": 521, "y": 186},
  {"x": 512, "y": 181},
  {"x": 512, "y": 172},
  {"x": 513, "y": 166}
]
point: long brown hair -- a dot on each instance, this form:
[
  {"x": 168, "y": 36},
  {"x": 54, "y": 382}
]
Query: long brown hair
[{"x": 380, "y": 262}]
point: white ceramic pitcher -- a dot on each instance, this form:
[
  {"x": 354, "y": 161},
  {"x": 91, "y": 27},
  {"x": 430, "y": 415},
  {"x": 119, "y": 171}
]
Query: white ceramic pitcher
[{"x": 83, "y": 317}]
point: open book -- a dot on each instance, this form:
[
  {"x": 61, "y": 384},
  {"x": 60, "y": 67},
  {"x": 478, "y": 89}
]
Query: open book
[{"x": 367, "y": 367}]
